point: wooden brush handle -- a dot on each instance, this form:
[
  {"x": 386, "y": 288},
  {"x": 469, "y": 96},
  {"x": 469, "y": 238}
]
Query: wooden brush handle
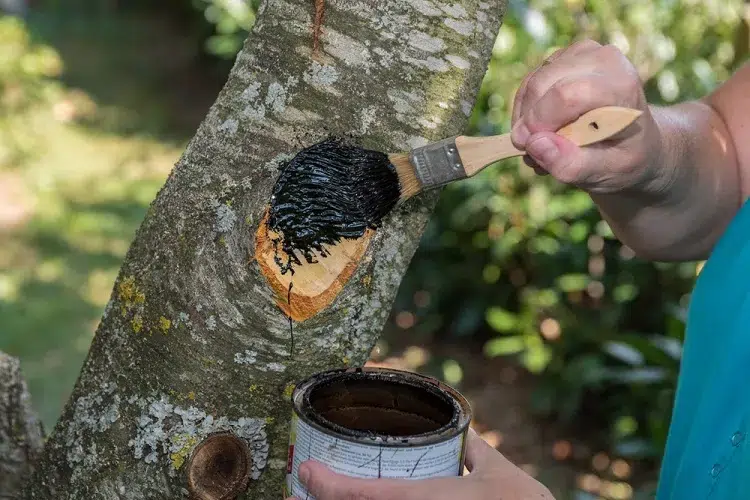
[{"x": 594, "y": 126}]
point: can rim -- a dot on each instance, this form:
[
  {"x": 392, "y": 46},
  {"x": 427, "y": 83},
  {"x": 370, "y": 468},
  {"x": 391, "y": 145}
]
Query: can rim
[{"x": 457, "y": 426}]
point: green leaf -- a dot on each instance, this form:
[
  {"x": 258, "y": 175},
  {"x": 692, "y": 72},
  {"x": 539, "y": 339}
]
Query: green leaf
[
  {"x": 624, "y": 352},
  {"x": 649, "y": 375},
  {"x": 452, "y": 372},
  {"x": 545, "y": 244},
  {"x": 634, "y": 448},
  {"x": 579, "y": 231},
  {"x": 670, "y": 346},
  {"x": 537, "y": 355},
  {"x": 545, "y": 298},
  {"x": 536, "y": 358},
  {"x": 504, "y": 346},
  {"x": 603, "y": 229},
  {"x": 501, "y": 320},
  {"x": 625, "y": 426},
  {"x": 573, "y": 282},
  {"x": 491, "y": 273},
  {"x": 625, "y": 292}
]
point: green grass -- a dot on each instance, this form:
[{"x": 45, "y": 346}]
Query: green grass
[
  {"x": 56, "y": 271},
  {"x": 87, "y": 186}
]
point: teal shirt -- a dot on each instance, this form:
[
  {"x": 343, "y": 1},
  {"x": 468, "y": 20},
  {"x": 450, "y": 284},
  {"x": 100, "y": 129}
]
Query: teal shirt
[{"x": 708, "y": 449}]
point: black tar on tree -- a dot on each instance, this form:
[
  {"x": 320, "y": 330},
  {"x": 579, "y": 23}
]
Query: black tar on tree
[{"x": 329, "y": 191}]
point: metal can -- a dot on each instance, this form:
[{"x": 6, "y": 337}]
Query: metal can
[{"x": 377, "y": 423}]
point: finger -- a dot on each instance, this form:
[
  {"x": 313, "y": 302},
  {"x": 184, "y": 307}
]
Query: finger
[
  {"x": 567, "y": 162},
  {"x": 547, "y": 78},
  {"x": 564, "y": 94},
  {"x": 571, "y": 50},
  {"x": 324, "y": 484},
  {"x": 529, "y": 161},
  {"x": 580, "y": 47},
  {"x": 521, "y": 92},
  {"x": 567, "y": 100},
  {"x": 575, "y": 49},
  {"x": 479, "y": 454},
  {"x": 540, "y": 87},
  {"x": 540, "y": 171}
]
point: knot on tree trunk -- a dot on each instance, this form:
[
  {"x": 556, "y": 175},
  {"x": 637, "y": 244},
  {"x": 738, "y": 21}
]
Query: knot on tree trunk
[{"x": 219, "y": 468}]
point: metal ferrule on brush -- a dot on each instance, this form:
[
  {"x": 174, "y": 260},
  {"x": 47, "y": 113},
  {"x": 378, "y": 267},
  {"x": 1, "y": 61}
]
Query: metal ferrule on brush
[{"x": 437, "y": 163}]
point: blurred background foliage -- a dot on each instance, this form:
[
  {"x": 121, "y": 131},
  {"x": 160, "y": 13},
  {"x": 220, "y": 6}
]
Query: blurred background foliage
[
  {"x": 232, "y": 20},
  {"x": 98, "y": 98},
  {"x": 27, "y": 70},
  {"x": 527, "y": 267}
]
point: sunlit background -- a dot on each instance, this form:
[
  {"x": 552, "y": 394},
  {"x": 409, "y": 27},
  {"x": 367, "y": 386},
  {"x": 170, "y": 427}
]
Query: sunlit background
[{"x": 519, "y": 296}]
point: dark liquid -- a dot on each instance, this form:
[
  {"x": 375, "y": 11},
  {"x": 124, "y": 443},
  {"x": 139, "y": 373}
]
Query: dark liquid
[
  {"x": 291, "y": 326},
  {"x": 383, "y": 407},
  {"x": 329, "y": 191}
]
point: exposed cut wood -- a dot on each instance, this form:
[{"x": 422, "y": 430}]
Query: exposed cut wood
[{"x": 314, "y": 285}]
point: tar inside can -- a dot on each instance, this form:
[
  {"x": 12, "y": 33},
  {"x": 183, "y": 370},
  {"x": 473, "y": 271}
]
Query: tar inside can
[{"x": 377, "y": 423}]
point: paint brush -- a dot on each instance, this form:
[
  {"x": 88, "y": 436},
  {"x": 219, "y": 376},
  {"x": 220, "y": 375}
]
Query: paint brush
[
  {"x": 456, "y": 158},
  {"x": 334, "y": 190}
]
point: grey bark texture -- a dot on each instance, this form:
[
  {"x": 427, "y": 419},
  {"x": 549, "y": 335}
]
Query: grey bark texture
[
  {"x": 191, "y": 341},
  {"x": 21, "y": 433}
]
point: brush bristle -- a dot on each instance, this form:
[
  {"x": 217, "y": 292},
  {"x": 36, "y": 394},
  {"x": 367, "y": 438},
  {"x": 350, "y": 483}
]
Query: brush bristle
[{"x": 407, "y": 178}]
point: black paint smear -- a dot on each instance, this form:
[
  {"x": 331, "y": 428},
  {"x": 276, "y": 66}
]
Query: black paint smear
[
  {"x": 417, "y": 464},
  {"x": 291, "y": 327},
  {"x": 329, "y": 191},
  {"x": 376, "y": 457}
]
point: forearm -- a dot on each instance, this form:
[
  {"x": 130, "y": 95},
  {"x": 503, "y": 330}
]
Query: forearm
[{"x": 684, "y": 211}]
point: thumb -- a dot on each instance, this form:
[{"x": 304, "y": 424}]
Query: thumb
[
  {"x": 325, "y": 484},
  {"x": 480, "y": 456},
  {"x": 558, "y": 156}
]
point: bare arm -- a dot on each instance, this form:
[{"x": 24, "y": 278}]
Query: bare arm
[
  {"x": 705, "y": 148},
  {"x": 670, "y": 185}
]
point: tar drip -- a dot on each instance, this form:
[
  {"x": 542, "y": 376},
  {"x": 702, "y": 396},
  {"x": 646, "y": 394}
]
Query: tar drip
[{"x": 329, "y": 191}]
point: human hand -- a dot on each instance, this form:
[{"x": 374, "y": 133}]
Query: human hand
[
  {"x": 572, "y": 81},
  {"x": 491, "y": 476}
]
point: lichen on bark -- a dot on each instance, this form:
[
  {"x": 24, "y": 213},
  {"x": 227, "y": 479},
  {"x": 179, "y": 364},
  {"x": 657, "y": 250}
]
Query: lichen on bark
[{"x": 191, "y": 341}]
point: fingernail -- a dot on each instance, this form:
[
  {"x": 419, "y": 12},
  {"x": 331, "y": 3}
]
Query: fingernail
[
  {"x": 538, "y": 170},
  {"x": 543, "y": 150},
  {"x": 520, "y": 134},
  {"x": 303, "y": 474},
  {"x": 529, "y": 161}
]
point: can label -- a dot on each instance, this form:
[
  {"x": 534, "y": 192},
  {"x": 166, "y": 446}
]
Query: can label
[{"x": 443, "y": 459}]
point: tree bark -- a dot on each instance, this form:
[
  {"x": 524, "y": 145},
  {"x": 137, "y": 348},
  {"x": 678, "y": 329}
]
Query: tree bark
[
  {"x": 192, "y": 340},
  {"x": 21, "y": 433}
]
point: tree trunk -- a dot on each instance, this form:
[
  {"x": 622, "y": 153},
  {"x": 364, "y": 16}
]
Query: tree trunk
[
  {"x": 193, "y": 340},
  {"x": 21, "y": 434}
]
